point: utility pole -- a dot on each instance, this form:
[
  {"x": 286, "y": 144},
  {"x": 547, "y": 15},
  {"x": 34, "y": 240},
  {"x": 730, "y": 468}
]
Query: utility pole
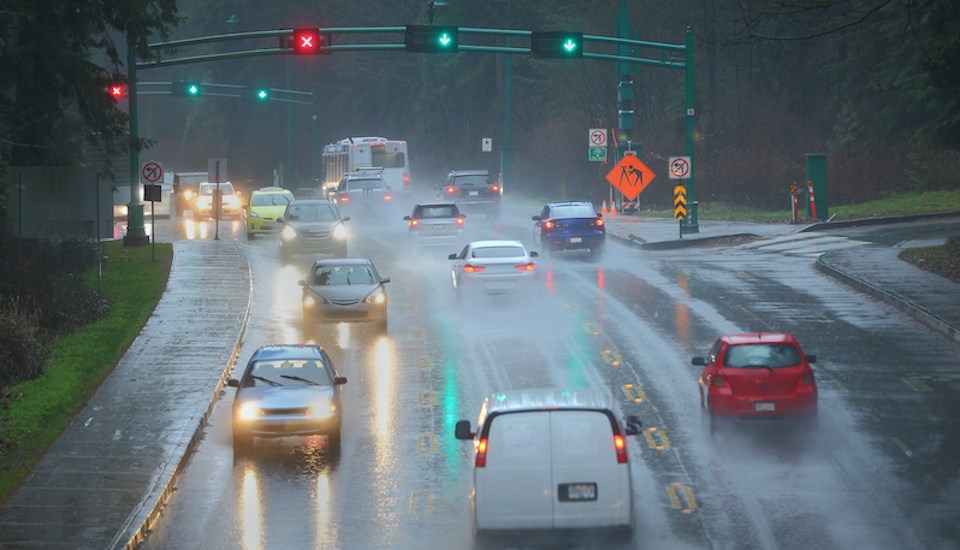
[{"x": 136, "y": 232}]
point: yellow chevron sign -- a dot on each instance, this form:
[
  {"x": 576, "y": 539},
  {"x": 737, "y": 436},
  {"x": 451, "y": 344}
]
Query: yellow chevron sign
[{"x": 680, "y": 202}]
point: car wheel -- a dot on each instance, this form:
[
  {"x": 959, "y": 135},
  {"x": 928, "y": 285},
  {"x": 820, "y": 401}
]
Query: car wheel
[{"x": 596, "y": 253}]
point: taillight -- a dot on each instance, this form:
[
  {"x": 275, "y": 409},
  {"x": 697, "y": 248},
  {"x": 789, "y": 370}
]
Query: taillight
[
  {"x": 598, "y": 222},
  {"x": 451, "y": 190},
  {"x": 406, "y": 179},
  {"x": 549, "y": 224},
  {"x": 473, "y": 268},
  {"x": 387, "y": 197},
  {"x": 481, "y": 453},
  {"x": 495, "y": 188},
  {"x": 620, "y": 445},
  {"x": 459, "y": 221},
  {"x": 344, "y": 198},
  {"x": 526, "y": 267},
  {"x": 718, "y": 381},
  {"x": 806, "y": 379},
  {"x": 414, "y": 223}
]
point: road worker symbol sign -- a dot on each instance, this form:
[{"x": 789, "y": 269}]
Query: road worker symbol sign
[{"x": 630, "y": 176}]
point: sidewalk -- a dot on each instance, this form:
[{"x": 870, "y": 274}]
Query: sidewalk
[{"x": 104, "y": 481}]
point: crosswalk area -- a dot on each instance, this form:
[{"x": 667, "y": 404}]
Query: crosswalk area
[{"x": 811, "y": 244}]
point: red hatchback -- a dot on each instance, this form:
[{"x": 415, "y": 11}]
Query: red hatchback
[{"x": 757, "y": 375}]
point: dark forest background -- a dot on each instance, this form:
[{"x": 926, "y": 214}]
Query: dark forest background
[{"x": 874, "y": 84}]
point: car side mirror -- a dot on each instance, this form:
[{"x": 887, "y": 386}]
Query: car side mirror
[
  {"x": 462, "y": 430},
  {"x": 452, "y": 257},
  {"x": 407, "y": 218},
  {"x": 633, "y": 425},
  {"x": 533, "y": 254},
  {"x": 233, "y": 383},
  {"x": 280, "y": 219},
  {"x": 698, "y": 361},
  {"x": 811, "y": 358},
  {"x": 536, "y": 218},
  {"x": 384, "y": 279},
  {"x": 340, "y": 380},
  {"x": 345, "y": 219}
]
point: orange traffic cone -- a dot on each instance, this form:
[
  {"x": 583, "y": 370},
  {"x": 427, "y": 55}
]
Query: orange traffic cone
[
  {"x": 603, "y": 209},
  {"x": 613, "y": 208}
]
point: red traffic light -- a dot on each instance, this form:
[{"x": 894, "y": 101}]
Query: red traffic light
[
  {"x": 309, "y": 41},
  {"x": 117, "y": 91}
]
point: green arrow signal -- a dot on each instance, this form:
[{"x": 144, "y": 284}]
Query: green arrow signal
[
  {"x": 193, "y": 89},
  {"x": 570, "y": 45},
  {"x": 263, "y": 94},
  {"x": 444, "y": 39}
]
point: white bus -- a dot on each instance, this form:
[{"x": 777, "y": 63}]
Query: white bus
[{"x": 355, "y": 153}]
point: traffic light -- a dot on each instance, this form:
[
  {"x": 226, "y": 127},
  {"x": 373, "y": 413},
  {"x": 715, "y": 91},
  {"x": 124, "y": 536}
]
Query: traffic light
[
  {"x": 261, "y": 94},
  {"x": 186, "y": 89},
  {"x": 432, "y": 39},
  {"x": 556, "y": 44},
  {"x": 307, "y": 42},
  {"x": 117, "y": 91}
]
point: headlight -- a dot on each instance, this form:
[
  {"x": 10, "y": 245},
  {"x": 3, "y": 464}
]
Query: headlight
[
  {"x": 309, "y": 301},
  {"x": 378, "y": 296},
  {"x": 233, "y": 200},
  {"x": 253, "y": 214},
  {"x": 340, "y": 232},
  {"x": 249, "y": 411},
  {"x": 288, "y": 233},
  {"x": 325, "y": 410},
  {"x": 188, "y": 195}
]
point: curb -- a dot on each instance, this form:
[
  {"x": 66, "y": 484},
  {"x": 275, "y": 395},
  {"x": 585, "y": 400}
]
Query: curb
[
  {"x": 678, "y": 243},
  {"x": 820, "y": 226},
  {"x": 135, "y": 539},
  {"x": 917, "y": 312}
]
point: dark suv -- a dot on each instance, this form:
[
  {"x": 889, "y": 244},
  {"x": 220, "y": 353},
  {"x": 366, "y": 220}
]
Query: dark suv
[{"x": 473, "y": 190}]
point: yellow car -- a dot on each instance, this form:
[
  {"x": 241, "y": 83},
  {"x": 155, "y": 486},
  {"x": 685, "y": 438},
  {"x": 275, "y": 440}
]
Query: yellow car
[{"x": 264, "y": 207}]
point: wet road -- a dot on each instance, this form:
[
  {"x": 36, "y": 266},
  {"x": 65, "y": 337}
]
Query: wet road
[{"x": 880, "y": 472}]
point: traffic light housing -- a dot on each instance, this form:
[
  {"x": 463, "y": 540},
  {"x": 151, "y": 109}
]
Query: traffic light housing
[
  {"x": 307, "y": 42},
  {"x": 432, "y": 39},
  {"x": 186, "y": 89},
  {"x": 625, "y": 101},
  {"x": 556, "y": 44}
]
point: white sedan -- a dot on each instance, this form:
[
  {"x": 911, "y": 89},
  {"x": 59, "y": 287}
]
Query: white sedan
[{"x": 496, "y": 266}]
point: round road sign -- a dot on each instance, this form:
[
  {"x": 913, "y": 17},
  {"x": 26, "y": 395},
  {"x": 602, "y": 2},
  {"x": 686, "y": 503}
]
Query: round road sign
[{"x": 151, "y": 172}]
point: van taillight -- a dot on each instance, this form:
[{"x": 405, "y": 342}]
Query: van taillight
[
  {"x": 621, "y": 447},
  {"x": 481, "y": 453}
]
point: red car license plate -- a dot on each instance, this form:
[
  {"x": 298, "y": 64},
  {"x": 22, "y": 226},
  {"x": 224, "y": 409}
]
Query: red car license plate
[{"x": 765, "y": 406}]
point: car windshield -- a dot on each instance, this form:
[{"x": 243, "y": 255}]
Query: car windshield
[
  {"x": 271, "y": 199},
  {"x": 471, "y": 181},
  {"x": 573, "y": 211},
  {"x": 364, "y": 184},
  {"x": 208, "y": 189},
  {"x": 772, "y": 356},
  {"x": 497, "y": 252},
  {"x": 444, "y": 211},
  {"x": 327, "y": 275},
  {"x": 320, "y": 212},
  {"x": 289, "y": 371}
]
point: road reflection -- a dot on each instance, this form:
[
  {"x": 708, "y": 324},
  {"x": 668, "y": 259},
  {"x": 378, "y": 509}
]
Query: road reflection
[
  {"x": 384, "y": 362},
  {"x": 251, "y": 509}
]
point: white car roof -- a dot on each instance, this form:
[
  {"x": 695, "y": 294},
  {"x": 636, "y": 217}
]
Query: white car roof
[
  {"x": 549, "y": 399},
  {"x": 485, "y": 244}
]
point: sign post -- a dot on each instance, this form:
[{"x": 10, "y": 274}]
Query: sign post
[
  {"x": 150, "y": 174},
  {"x": 217, "y": 167},
  {"x": 597, "y": 145},
  {"x": 680, "y": 205}
]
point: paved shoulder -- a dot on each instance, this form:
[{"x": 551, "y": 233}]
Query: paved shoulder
[{"x": 100, "y": 484}]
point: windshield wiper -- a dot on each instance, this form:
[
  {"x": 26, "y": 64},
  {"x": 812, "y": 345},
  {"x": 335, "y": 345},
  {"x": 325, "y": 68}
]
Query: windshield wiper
[
  {"x": 300, "y": 379},
  {"x": 267, "y": 380}
]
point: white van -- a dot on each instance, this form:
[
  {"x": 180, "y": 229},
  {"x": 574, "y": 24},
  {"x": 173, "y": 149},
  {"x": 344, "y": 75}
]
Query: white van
[{"x": 550, "y": 459}]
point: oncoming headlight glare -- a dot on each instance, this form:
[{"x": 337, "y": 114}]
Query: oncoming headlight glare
[
  {"x": 249, "y": 411},
  {"x": 340, "y": 232},
  {"x": 288, "y": 233},
  {"x": 323, "y": 410}
]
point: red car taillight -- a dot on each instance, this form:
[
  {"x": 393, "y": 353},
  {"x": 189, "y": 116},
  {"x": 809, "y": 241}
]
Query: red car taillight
[
  {"x": 718, "y": 381},
  {"x": 621, "y": 446},
  {"x": 806, "y": 379},
  {"x": 526, "y": 267},
  {"x": 481, "y": 453},
  {"x": 473, "y": 268}
]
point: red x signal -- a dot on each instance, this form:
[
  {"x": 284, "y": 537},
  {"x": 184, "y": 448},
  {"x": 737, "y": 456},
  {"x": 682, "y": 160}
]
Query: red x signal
[
  {"x": 308, "y": 41},
  {"x": 117, "y": 91}
]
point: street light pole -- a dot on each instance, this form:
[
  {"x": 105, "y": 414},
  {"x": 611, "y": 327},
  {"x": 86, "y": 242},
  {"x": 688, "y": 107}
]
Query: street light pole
[
  {"x": 506, "y": 149},
  {"x": 136, "y": 233}
]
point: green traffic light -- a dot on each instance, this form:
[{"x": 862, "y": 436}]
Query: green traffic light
[
  {"x": 263, "y": 94},
  {"x": 570, "y": 46},
  {"x": 444, "y": 39},
  {"x": 193, "y": 89}
]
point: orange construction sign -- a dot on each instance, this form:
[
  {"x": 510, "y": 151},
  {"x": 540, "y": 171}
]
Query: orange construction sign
[{"x": 630, "y": 176}]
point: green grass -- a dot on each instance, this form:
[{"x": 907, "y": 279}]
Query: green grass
[
  {"x": 903, "y": 204},
  {"x": 40, "y": 409}
]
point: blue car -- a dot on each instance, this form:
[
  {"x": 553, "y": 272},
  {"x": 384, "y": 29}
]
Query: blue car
[{"x": 570, "y": 226}]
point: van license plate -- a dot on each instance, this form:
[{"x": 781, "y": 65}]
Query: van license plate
[
  {"x": 577, "y": 492},
  {"x": 765, "y": 406}
]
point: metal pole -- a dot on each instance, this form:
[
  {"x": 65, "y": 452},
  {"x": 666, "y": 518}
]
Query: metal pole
[
  {"x": 315, "y": 138},
  {"x": 217, "y": 201},
  {"x": 691, "y": 224},
  {"x": 99, "y": 242},
  {"x": 153, "y": 232},
  {"x": 19, "y": 212},
  {"x": 506, "y": 150},
  {"x": 136, "y": 233},
  {"x": 289, "y": 123}
]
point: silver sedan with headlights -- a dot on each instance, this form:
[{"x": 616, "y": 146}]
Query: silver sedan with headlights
[
  {"x": 495, "y": 266},
  {"x": 345, "y": 290},
  {"x": 287, "y": 390},
  {"x": 312, "y": 226}
]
